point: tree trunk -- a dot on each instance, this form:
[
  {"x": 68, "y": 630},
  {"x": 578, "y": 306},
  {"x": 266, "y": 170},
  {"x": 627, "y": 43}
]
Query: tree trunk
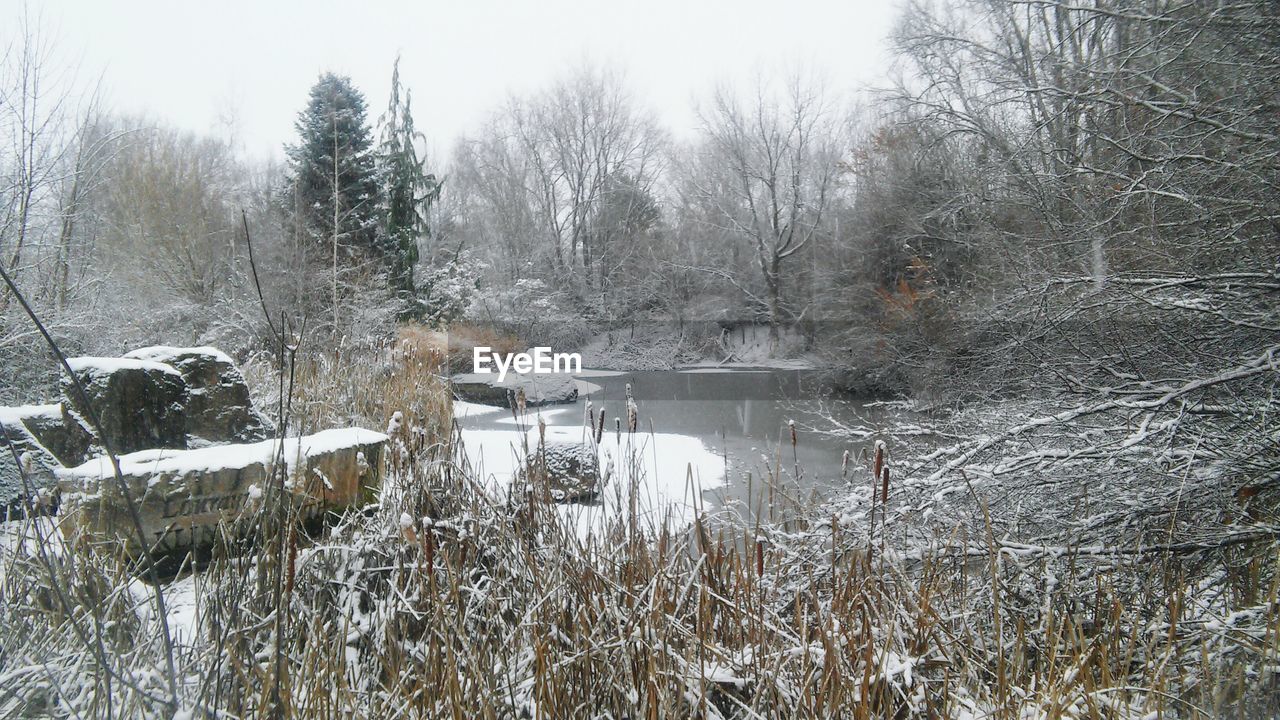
[
  {"x": 336, "y": 197},
  {"x": 774, "y": 283}
]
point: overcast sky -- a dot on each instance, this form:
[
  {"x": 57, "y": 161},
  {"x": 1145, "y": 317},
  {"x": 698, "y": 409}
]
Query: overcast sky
[{"x": 200, "y": 65}]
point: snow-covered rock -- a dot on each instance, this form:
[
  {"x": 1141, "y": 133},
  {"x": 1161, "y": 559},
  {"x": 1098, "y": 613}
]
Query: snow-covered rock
[
  {"x": 570, "y": 471},
  {"x": 484, "y": 388},
  {"x": 140, "y": 403},
  {"x": 218, "y": 407},
  {"x": 40, "y": 479},
  {"x": 52, "y": 427},
  {"x": 35, "y": 431},
  {"x": 184, "y": 495}
]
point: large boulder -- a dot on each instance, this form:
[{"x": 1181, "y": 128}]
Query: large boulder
[
  {"x": 484, "y": 388},
  {"x": 218, "y": 407},
  {"x": 140, "y": 403},
  {"x": 184, "y": 496},
  {"x": 569, "y": 471}
]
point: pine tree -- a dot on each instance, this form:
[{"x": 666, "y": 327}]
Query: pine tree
[
  {"x": 335, "y": 195},
  {"x": 407, "y": 190}
]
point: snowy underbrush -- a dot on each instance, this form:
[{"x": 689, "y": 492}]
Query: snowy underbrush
[
  {"x": 663, "y": 345},
  {"x": 362, "y": 384},
  {"x": 1125, "y": 529},
  {"x": 443, "y": 601},
  {"x": 1101, "y": 555}
]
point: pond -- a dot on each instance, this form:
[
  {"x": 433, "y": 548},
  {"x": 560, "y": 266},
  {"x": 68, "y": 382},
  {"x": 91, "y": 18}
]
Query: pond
[{"x": 706, "y": 436}]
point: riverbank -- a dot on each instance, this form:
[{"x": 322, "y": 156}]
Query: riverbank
[
  {"x": 978, "y": 578},
  {"x": 664, "y": 346}
]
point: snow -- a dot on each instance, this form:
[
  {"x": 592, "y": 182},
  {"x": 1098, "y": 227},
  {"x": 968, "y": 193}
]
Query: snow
[
  {"x": 16, "y": 414},
  {"x": 107, "y": 365},
  {"x": 539, "y": 413},
  {"x": 668, "y": 471},
  {"x": 223, "y": 457},
  {"x": 165, "y": 353},
  {"x": 723, "y": 675},
  {"x": 182, "y": 606},
  {"x": 462, "y": 409},
  {"x": 29, "y": 534},
  {"x": 591, "y": 372}
]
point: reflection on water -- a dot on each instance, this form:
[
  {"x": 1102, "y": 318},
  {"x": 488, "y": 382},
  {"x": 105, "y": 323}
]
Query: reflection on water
[{"x": 740, "y": 416}]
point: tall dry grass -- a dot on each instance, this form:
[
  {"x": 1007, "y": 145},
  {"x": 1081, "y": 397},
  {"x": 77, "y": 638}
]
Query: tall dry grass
[
  {"x": 446, "y": 601},
  {"x": 452, "y": 349}
]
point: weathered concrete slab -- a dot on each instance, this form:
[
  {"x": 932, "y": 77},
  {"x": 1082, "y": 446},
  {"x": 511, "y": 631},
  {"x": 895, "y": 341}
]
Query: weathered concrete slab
[
  {"x": 184, "y": 495},
  {"x": 139, "y": 403},
  {"x": 485, "y": 389},
  {"x": 218, "y": 407}
]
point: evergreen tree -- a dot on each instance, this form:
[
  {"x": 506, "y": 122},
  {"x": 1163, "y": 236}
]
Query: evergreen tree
[
  {"x": 335, "y": 196},
  {"x": 407, "y": 190}
]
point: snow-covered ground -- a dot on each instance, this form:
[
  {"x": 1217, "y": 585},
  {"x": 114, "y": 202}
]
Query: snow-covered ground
[{"x": 42, "y": 537}]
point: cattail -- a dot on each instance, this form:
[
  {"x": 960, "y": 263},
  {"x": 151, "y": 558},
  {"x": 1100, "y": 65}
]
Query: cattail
[
  {"x": 759, "y": 558},
  {"x": 293, "y": 562},
  {"x": 878, "y": 464},
  {"x": 521, "y": 400},
  {"x": 542, "y": 430},
  {"x": 791, "y": 424},
  {"x": 600, "y": 427},
  {"x": 429, "y": 546},
  {"x": 884, "y": 476},
  {"x": 617, "y": 428},
  {"x": 406, "y": 528},
  {"x": 633, "y": 414},
  {"x": 844, "y": 464}
]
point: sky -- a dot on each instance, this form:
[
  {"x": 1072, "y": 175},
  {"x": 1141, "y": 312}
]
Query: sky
[{"x": 242, "y": 69}]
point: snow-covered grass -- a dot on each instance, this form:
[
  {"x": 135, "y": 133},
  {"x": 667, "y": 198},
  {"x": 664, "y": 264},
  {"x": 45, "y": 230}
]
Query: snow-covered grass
[{"x": 923, "y": 596}]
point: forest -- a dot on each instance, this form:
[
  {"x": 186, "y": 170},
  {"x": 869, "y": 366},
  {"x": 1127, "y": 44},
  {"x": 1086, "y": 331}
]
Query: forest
[{"x": 1034, "y": 275}]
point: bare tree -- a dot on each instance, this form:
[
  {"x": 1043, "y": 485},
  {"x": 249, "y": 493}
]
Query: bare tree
[
  {"x": 768, "y": 168},
  {"x": 562, "y": 150},
  {"x": 169, "y": 213},
  {"x": 38, "y": 122},
  {"x": 1121, "y": 125},
  {"x": 492, "y": 207}
]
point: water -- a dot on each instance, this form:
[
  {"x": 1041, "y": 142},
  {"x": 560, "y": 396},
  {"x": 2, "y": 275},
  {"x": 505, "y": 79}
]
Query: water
[{"x": 731, "y": 427}]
